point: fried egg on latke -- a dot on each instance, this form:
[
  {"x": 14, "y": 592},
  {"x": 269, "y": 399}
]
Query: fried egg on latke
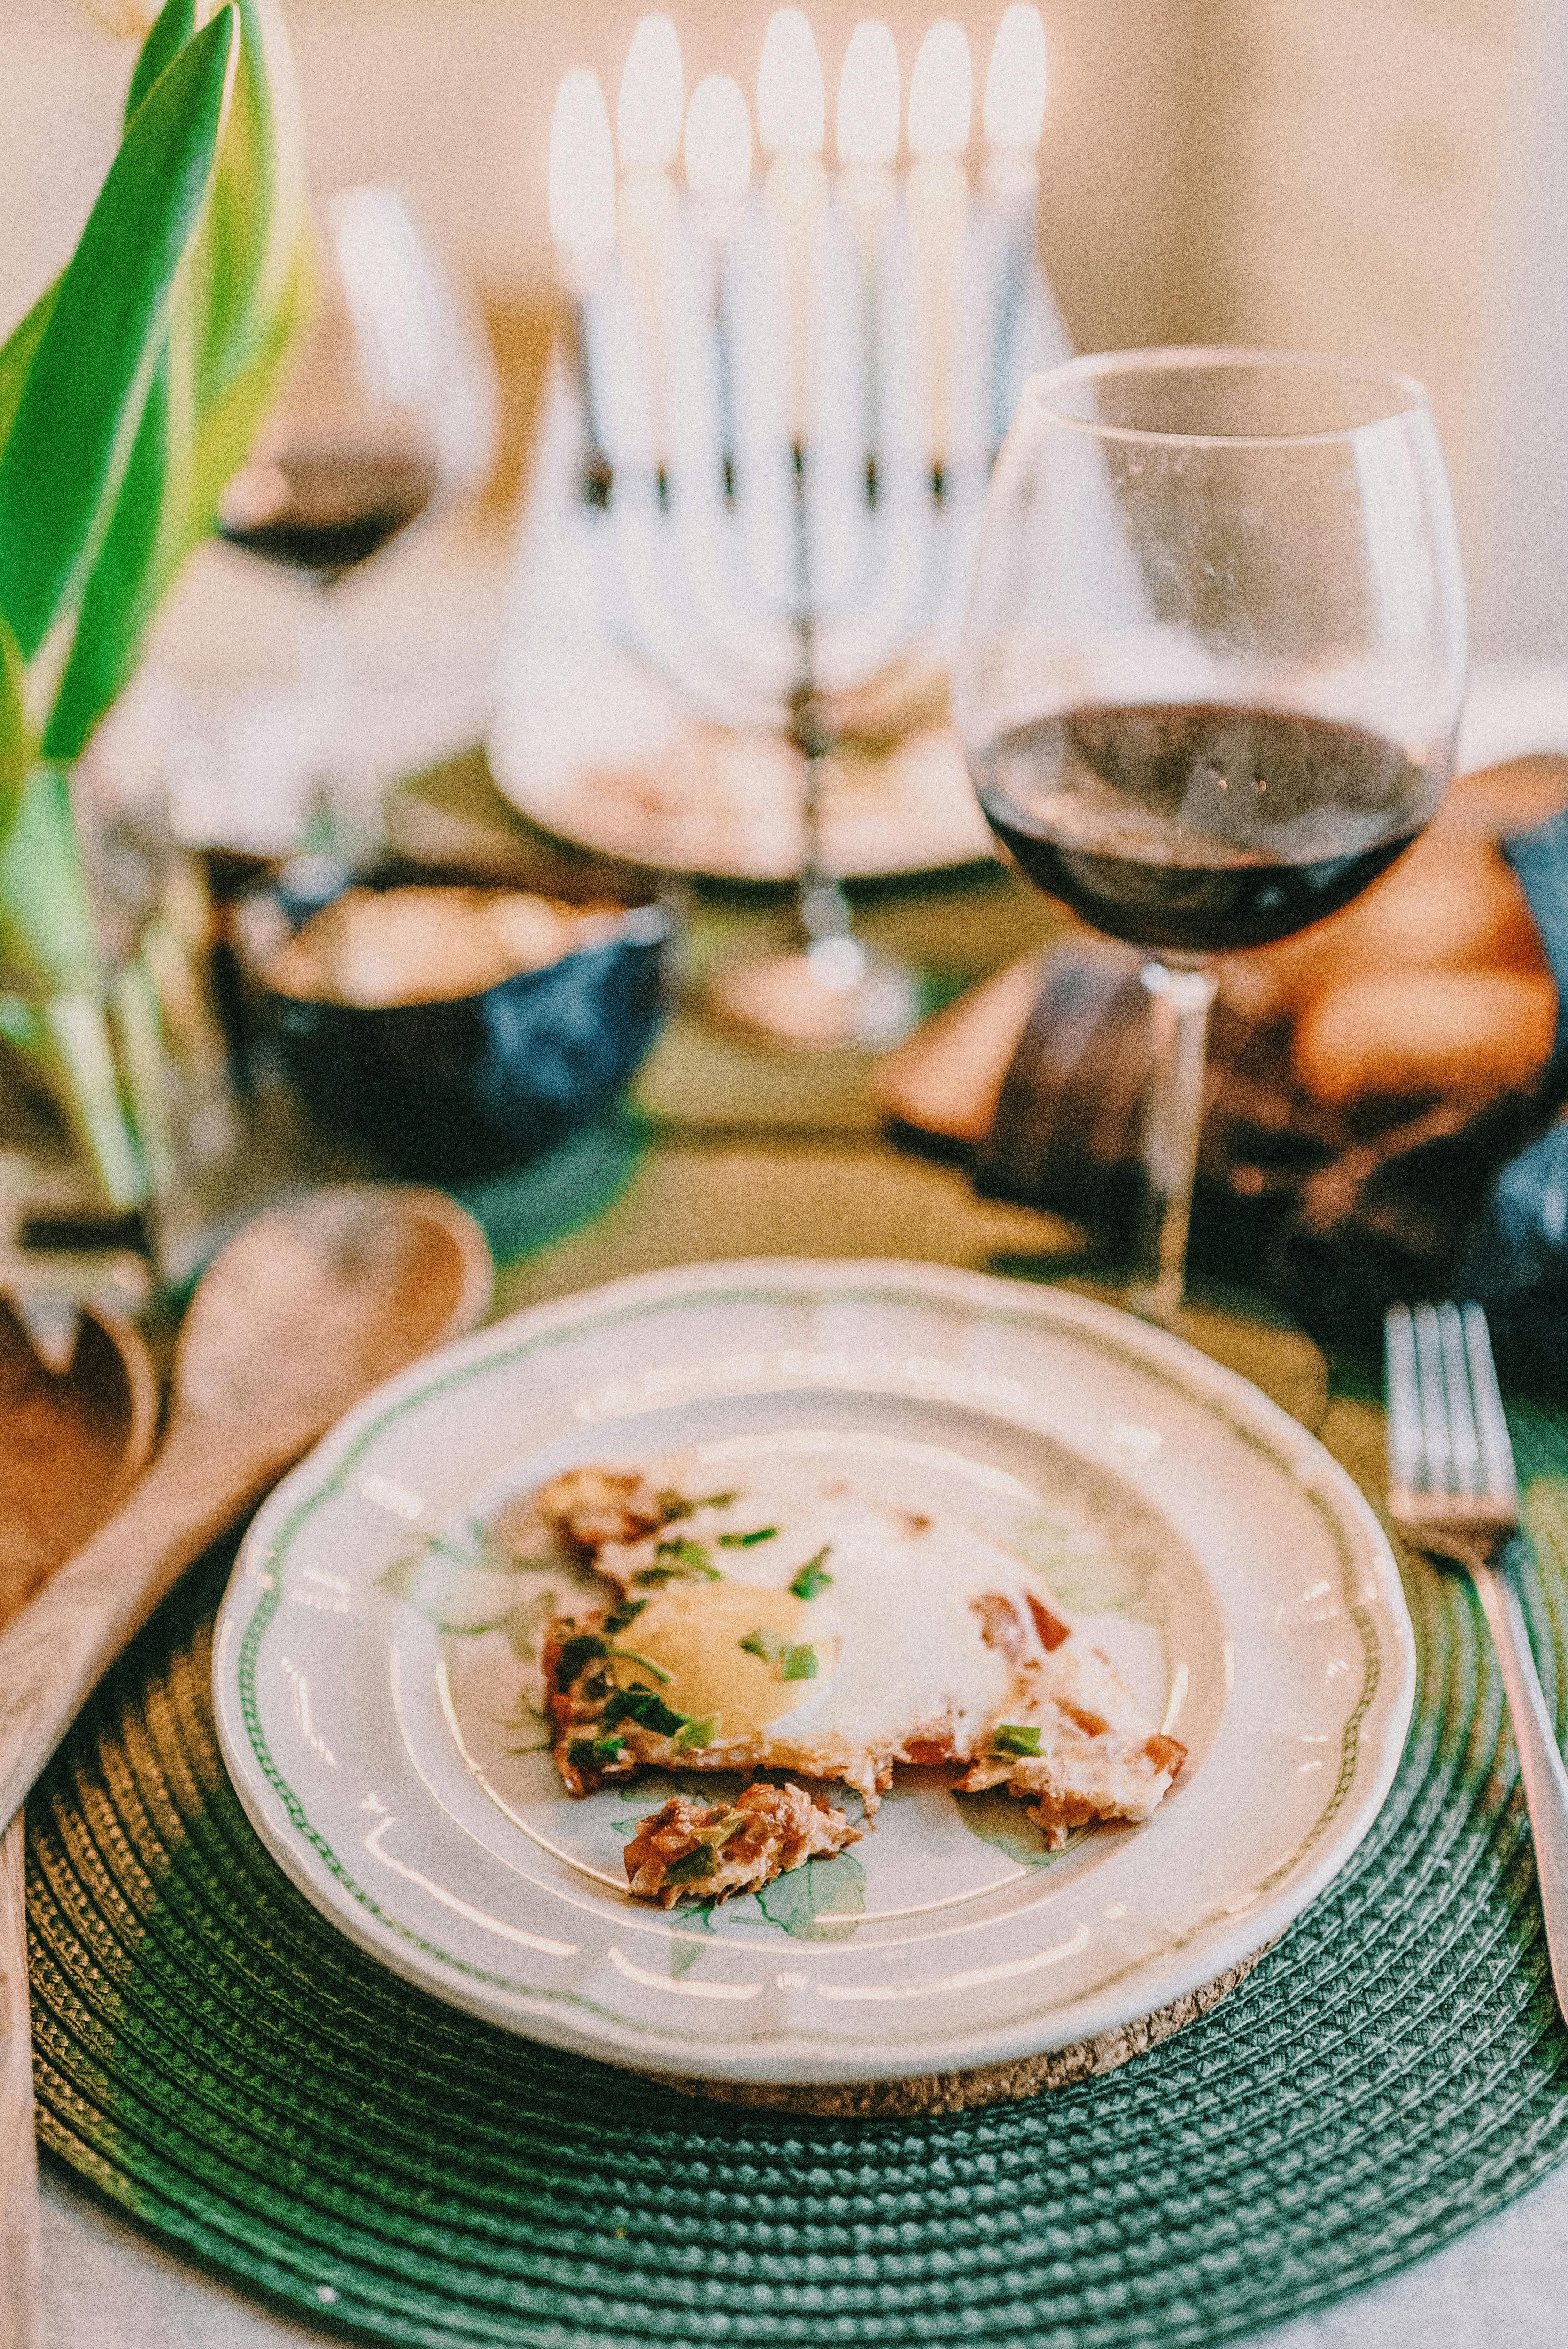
[{"x": 834, "y": 1637}]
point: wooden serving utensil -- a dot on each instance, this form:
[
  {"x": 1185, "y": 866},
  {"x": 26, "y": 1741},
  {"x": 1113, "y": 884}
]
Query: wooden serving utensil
[
  {"x": 70, "y": 1443},
  {"x": 295, "y": 1319}
]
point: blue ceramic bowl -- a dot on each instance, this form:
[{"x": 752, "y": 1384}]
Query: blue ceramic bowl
[{"x": 454, "y": 1089}]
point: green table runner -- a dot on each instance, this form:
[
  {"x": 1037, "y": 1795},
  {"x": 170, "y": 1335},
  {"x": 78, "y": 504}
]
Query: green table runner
[{"x": 216, "y": 2059}]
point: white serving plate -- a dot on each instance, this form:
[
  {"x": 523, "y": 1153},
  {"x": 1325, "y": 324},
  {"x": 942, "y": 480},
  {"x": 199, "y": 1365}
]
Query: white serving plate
[{"x": 371, "y": 1680}]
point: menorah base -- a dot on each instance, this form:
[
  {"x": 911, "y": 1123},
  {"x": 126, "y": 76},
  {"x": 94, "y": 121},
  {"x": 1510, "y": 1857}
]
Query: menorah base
[{"x": 834, "y": 993}]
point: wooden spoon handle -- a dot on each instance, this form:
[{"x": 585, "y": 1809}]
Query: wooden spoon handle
[
  {"x": 21, "y": 2312},
  {"x": 53, "y": 1655}
]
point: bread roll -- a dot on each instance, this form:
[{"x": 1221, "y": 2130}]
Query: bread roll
[
  {"x": 1514, "y": 797},
  {"x": 1409, "y": 1034},
  {"x": 1450, "y": 903},
  {"x": 948, "y": 1079}
]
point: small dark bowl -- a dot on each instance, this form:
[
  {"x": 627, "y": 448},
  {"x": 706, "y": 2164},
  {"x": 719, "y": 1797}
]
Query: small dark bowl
[{"x": 461, "y": 1088}]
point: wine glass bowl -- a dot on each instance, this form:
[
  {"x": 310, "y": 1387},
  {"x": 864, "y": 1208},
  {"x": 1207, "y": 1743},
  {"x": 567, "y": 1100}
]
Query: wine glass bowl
[
  {"x": 389, "y": 411},
  {"x": 387, "y": 416},
  {"x": 1211, "y": 670}
]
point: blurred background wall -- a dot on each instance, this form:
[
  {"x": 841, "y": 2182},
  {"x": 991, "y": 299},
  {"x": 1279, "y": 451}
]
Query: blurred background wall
[{"x": 1378, "y": 177}]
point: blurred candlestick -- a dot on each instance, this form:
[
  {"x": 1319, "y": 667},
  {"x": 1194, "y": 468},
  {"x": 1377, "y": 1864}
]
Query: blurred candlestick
[
  {"x": 941, "y": 101},
  {"x": 1014, "y": 116},
  {"x": 582, "y": 230},
  {"x": 648, "y": 131},
  {"x": 718, "y": 173},
  {"x": 1014, "y": 110},
  {"x": 867, "y": 146},
  {"x": 792, "y": 123}
]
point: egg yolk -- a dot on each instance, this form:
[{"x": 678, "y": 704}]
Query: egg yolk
[{"x": 695, "y": 1635}]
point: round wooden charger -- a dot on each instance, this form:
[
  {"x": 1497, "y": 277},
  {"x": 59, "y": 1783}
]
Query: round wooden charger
[{"x": 991, "y": 2083}]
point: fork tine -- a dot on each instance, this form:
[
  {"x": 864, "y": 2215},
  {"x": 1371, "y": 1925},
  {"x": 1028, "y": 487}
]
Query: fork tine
[
  {"x": 1497, "y": 1449},
  {"x": 1434, "y": 1402},
  {"x": 1462, "y": 1433},
  {"x": 1406, "y": 1462}
]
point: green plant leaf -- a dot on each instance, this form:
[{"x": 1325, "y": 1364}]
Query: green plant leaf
[
  {"x": 16, "y": 357},
  {"x": 128, "y": 576},
  {"x": 81, "y": 404},
  {"x": 228, "y": 417},
  {"x": 169, "y": 34},
  {"x": 822, "y": 1901},
  {"x": 248, "y": 262},
  {"x": 13, "y": 729},
  {"x": 187, "y": 448},
  {"x": 47, "y": 932}
]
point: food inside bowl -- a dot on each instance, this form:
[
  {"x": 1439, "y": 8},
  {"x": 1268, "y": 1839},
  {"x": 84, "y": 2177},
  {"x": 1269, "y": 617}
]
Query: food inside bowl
[{"x": 378, "y": 948}]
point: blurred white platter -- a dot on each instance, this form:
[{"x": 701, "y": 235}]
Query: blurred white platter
[
  {"x": 634, "y": 779},
  {"x": 378, "y": 1685}
]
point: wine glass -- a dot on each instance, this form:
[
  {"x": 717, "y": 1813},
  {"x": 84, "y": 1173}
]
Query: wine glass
[
  {"x": 1211, "y": 674},
  {"x": 388, "y": 415}
]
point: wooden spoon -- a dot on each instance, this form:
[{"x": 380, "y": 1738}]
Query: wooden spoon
[
  {"x": 303, "y": 1313},
  {"x": 70, "y": 1443}
]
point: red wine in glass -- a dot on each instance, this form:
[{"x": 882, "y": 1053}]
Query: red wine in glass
[
  {"x": 1184, "y": 552},
  {"x": 1193, "y": 827},
  {"x": 326, "y": 512}
]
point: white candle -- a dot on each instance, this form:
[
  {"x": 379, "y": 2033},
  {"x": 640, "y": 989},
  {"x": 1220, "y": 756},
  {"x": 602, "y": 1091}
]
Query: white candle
[
  {"x": 648, "y": 131},
  {"x": 867, "y": 146},
  {"x": 582, "y": 230},
  {"x": 792, "y": 123},
  {"x": 941, "y": 101},
  {"x": 581, "y": 183},
  {"x": 1014, "y": 116},
  {"x": 718, "y": 173},
  {"x": 1014, "y": 109}
]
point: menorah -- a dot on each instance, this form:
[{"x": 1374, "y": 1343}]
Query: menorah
[{"x": 788, "y": 400}]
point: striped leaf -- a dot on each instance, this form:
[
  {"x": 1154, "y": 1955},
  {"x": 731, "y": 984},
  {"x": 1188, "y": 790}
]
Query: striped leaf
[{"x": 81, "y": 402}]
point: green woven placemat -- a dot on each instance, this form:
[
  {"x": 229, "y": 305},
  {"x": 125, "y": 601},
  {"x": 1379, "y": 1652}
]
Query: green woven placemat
[{"x": 227, "y": 2068}]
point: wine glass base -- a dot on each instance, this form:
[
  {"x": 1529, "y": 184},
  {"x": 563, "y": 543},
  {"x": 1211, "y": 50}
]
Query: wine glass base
[
  {"x": 834, "y": 994},
  {"x": 1157, "y": 1301}
]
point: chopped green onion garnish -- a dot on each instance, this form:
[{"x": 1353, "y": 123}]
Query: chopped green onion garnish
[
  {"x": 710, "y": 1841},
  {"x": 766, "y": 1642},
  {"x": 574, "y": 1653},
  {"x": 679, "y": 1560},
  {"x": 1014, "y": 1737},
  {"x": 627, "y": 1612},
  {"x": 692, "y": 1867},
  {"x": 799, "y": 1664},
  {"x": 593, "y": 1752},
  {"x": 718, "y": 1831},
  {"x": 812, "y": 1579},
  {"x": 747, "y": 1541},
  {"x": 675, "y": 1505},
  {"x": 689, "y": 1554},
  {"x": 698, "y": 1732},
  {"x": 641, "y": 1705},
  {"x": 629, "y": 1656}
]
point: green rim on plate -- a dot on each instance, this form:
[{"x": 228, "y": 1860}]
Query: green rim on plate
[{"x": 239, "y": 2077}]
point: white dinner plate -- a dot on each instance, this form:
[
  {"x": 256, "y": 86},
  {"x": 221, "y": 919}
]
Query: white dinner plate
[{"x": 377, "y": 1690}]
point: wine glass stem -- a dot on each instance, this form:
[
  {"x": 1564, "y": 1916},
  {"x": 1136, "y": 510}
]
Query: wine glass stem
[{"x": 1179, "y": 1004}]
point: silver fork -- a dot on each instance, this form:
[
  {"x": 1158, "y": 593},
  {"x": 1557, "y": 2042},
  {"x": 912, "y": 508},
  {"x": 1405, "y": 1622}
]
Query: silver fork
[{"x": 1452, "y": 1489}]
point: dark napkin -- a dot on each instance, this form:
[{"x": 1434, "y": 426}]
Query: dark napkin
[{"x": 1335, "y": 1212}]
